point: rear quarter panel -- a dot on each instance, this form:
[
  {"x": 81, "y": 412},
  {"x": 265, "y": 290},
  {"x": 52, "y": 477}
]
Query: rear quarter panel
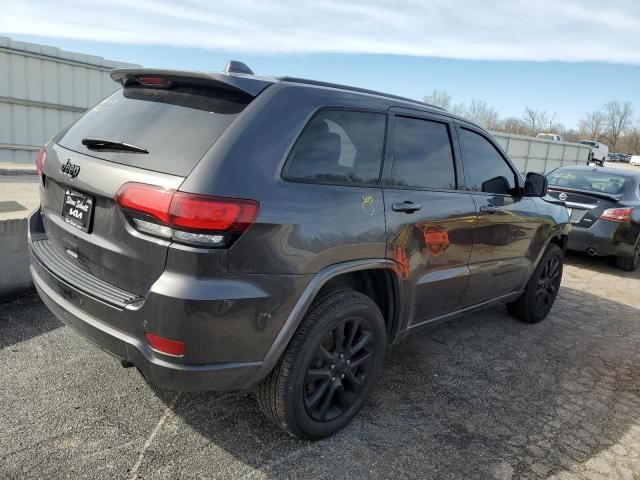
[{"x": 301, "y": 227}]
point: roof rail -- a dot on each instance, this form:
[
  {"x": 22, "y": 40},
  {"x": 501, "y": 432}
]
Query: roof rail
[{"x": 318, "y": 83}]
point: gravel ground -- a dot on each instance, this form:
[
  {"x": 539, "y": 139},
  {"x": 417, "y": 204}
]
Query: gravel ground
[{"x": 480, "y": 397}]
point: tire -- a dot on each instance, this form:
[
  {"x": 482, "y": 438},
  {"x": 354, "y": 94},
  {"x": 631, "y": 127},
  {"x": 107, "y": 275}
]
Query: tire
[
  {"x": 630, "y": 264},
  {"x": 541, "y": 290},
  {"x": 313, "y": 392}
]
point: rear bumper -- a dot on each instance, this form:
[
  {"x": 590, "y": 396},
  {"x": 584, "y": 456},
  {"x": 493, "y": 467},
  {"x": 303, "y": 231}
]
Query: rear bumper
[
  {"x": 228, "y": 322},
  {"x": 165, "y": 374},
  {"x": 605, "y": 238}
]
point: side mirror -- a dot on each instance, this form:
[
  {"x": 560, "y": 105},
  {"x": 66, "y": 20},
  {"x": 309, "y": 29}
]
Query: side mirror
[
  {"x": 496, "y": 185},
  {"x": 535, "y": 185}
]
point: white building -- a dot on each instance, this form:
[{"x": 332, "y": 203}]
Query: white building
[{"x": 42, "y": 90}]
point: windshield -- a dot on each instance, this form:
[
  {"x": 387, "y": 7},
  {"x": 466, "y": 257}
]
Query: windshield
[
  {"x": 175, "y": 126},
  {"x": 592, "y": 181},
  {"x": 591, "y": 144}
]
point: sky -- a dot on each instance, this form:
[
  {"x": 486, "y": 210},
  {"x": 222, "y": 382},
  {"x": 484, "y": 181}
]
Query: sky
[{"x": 564, "y": 57}]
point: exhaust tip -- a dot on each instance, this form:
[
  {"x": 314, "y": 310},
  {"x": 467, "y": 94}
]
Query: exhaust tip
[{"x": 592, "y": 252}]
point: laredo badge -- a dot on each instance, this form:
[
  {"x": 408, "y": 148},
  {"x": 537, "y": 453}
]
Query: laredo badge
[{"x": 367, "y": 204}]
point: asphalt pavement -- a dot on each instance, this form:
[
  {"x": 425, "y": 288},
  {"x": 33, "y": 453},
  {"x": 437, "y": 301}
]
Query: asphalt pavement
[{"x": 483, "y": 396}]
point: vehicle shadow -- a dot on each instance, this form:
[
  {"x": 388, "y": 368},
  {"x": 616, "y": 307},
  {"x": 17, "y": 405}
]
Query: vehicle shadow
[
  {"x": 483, "y": 396},
  {"x": 23, "y": 318},
  {"x": 605, "y": 265}
]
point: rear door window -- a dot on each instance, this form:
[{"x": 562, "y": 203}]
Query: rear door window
[
  {"x": 339, "y": 146},
  {"x": 423, "y": 154},
  {"x": 177, "y": 126}
]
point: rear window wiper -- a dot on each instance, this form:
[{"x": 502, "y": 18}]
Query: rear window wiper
[{"x": 101, "y": 144}]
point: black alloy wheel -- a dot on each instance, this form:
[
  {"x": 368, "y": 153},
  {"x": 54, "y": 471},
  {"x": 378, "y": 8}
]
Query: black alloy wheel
[
  {"x": 547, "y": 285},
  {"x": 329, "y": 368},
  {"x": 338, "y": 370},
  {"x": 542, "y": 288}
]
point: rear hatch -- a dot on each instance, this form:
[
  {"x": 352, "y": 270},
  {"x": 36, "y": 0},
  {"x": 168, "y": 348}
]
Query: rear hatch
[
  {"x": 584, "y": 207},
  {"x": 153, "y": 131}
]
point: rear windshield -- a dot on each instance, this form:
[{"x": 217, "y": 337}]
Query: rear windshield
[
  {"x": 177, "y": 126},
  {"x": 588, "y": 180}
]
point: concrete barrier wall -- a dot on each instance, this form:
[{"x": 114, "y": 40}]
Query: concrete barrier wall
[
  {"x": 539, "y": 155},
  {"x": 42, "y": 90},
  {"x": 14, "y": 258}
]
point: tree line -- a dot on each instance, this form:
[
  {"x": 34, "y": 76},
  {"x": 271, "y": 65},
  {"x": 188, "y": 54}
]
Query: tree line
[{"x": 612, "y": 124}]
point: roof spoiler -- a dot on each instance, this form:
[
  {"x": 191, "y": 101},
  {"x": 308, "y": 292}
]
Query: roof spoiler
[{"x": 247, "y": 84}]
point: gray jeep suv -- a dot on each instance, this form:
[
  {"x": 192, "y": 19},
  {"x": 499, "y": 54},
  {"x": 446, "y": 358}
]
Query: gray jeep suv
[{"x": 229, "y": 231}]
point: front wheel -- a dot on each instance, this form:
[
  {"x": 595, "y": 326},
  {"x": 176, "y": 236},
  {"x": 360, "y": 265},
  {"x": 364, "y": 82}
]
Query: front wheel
[
  {"x": 541, "y": 290},
  {"x": 329, "y": 369}
]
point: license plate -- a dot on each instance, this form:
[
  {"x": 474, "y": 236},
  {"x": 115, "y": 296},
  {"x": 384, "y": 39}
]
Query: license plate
[
  {"x": 577, "y": 215},
  {"x": 77, "y": 208}
]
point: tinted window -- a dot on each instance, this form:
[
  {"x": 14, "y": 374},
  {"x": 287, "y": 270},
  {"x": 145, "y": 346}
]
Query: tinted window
[
  {"x": 484, "y": 168},
  {"x": 339, "y": 146},
  {"x": 423, "y": 155},
  {"x": 588, "y": 180},
  {"x": 177, "y": 126}
]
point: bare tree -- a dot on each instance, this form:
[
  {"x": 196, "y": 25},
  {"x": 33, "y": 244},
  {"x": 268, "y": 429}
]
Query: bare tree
[
  {"x": 536, "y": 120},
  {"x": 572, "y": 135},
  {"x": 558, "y": 128},
  {"x": 480, "y": 112},
  {"x": 617, "y": 118},
  {"x": 593, "y": 124},
  {"x": 439, "y": 98},
  {"x": 459, "y": 109},
  {"x": 630, "y": 141},
  {"x": 514, "y": 125}
]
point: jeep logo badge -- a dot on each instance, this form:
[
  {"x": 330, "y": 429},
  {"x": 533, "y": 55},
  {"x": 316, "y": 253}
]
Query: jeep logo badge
[{"x": 70, "y": 169}]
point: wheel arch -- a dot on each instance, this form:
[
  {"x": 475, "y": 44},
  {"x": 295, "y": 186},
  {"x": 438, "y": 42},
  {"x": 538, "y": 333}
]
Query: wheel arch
[
  {"x": 561, "y": 239},
  {"x": 381, "y": 276}
]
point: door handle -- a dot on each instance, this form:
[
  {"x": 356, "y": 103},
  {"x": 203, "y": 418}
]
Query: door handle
[
  {"x": 488, "y": 209},
  {"x": 406, "y": 207}
]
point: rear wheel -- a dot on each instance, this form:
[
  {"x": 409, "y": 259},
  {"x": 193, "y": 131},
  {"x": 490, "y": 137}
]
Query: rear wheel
[
  {"x": 631, "y": 263},
  {"x": 542, "y": 288},
  {"x": 329, "y": 369}
]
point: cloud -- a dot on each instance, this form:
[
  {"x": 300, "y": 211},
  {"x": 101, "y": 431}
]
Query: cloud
[{"x": 569, "y": 30}]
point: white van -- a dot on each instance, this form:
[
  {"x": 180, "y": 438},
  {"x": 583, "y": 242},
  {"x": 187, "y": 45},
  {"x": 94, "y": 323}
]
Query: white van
[{"x": 599, "y": 151}]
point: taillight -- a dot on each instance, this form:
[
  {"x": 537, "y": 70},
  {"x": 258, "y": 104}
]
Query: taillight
[
  {"x": 186, "y": 217},
  {"x": 148, "y": 199},
  {"x": 199, "y": 212},
  {"x": 40, "y": 159},
  {"x": 175, "y": 348},
  {"x": 617, "y": 214}
]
